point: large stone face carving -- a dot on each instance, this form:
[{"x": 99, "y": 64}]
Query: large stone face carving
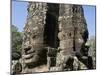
[
  {"x": 33, "y": 35},
  {"x": 72, "y": 32},
  {"x": 62, "y": 29}
]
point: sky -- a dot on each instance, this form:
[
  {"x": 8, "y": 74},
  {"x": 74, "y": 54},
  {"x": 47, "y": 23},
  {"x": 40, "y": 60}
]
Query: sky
[{"x": 19, "y": 16}]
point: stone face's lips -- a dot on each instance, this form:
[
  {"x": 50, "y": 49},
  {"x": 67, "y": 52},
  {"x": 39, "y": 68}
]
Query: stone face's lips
[
  {"x": 28, "y": 56},
  {"x": 32, "y": 60},
  {"x": 30, "y": 52}
]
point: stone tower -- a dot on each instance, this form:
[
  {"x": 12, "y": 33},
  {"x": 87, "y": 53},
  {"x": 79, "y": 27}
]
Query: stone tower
[
  {"x": 60, "y": 27},
  {"x": 72, "y": 33}
]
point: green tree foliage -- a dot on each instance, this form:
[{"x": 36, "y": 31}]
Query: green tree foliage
[{"x": 16, "y": 42}]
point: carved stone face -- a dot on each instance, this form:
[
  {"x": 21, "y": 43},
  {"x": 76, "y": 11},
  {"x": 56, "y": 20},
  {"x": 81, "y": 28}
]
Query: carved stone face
[
  {"x": 33, "y": 48},
  {"x": 33, "y": 52}
]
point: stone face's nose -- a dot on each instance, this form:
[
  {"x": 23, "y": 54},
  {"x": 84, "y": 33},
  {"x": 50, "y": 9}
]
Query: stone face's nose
[{"x": 27, "y": 47}]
